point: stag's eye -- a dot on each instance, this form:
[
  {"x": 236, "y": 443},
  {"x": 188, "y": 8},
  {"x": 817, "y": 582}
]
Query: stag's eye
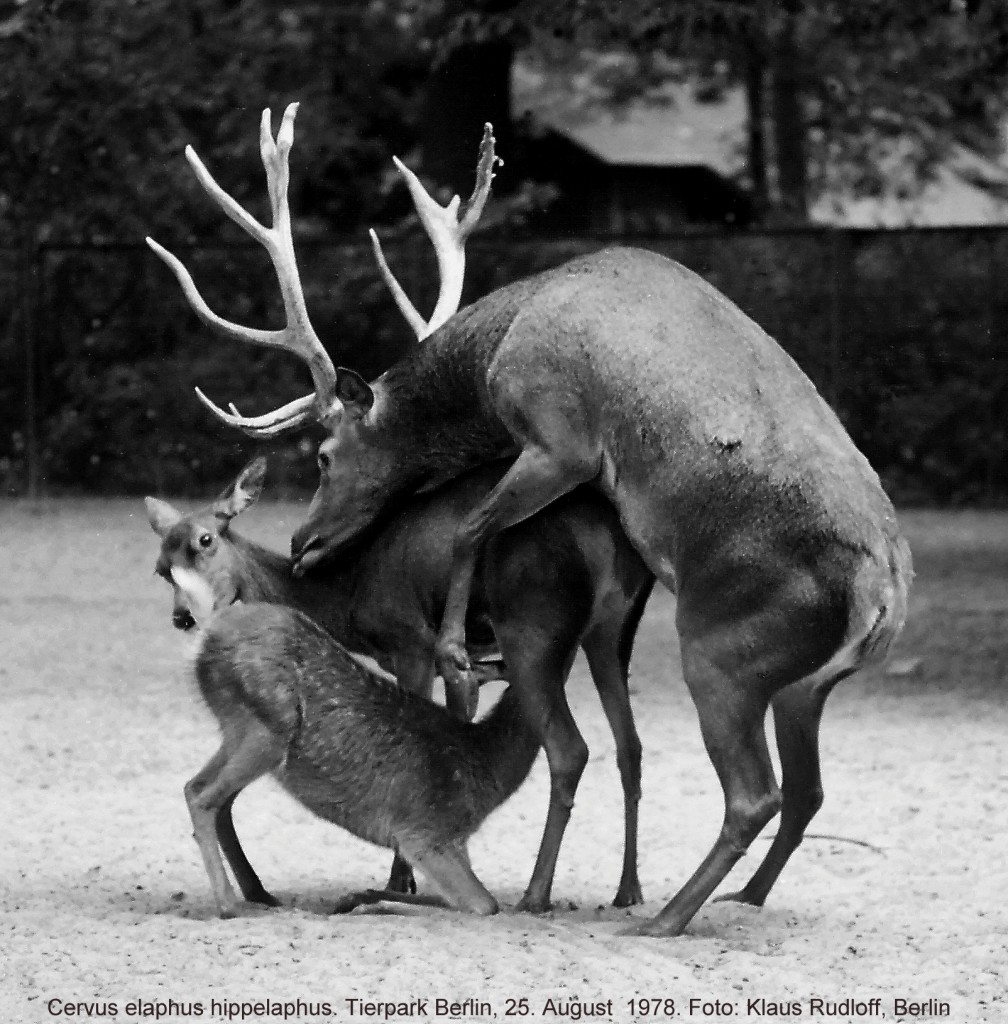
[
  {"x": 323, "y": 461},
  {"x": 205, "y": 540}
]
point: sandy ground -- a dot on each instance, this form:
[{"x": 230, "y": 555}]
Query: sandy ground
[{"x": 103, "y": 898}]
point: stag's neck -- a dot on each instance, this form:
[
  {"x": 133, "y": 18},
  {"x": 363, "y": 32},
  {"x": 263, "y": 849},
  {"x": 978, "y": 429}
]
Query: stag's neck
[{"x": 437, "y": 397}]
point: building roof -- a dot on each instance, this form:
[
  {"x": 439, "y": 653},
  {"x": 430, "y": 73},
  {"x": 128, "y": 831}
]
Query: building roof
[
  {"x": 671, "y": 128},
  {"x": 681, "y": 133}
]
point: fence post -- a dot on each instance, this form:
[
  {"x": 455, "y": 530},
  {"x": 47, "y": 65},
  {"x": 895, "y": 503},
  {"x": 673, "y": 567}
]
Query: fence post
[
  {"x": 993, "y": 288},
  {"x": 29, "y": 273},
  {"x": 838, "y": 284}
]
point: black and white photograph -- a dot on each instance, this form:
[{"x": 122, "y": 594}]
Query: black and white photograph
[{"x": 504, "y": 511}]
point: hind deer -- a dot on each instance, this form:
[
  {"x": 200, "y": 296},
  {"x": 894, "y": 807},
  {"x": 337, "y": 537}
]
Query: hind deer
[
  {"x": 565, "y": 579},
  {"x": 732, "y": 478}
]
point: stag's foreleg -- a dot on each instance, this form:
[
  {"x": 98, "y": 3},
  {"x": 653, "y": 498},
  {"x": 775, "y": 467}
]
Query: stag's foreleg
[{"x": 555, "y": 461}]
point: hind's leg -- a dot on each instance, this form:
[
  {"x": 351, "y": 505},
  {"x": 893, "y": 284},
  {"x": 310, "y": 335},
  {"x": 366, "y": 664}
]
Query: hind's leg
[
  {"x": 610, "y": 677},
  {"x": 255, "y": 752},
  {"x": 539, "y": 662},
  {"x": 797, "y": 714}
]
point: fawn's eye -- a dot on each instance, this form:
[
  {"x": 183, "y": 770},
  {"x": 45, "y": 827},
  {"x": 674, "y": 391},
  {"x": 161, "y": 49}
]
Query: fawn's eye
[
  {"x": 323, "y": 461},
  {"x": 205, "y": 540}
]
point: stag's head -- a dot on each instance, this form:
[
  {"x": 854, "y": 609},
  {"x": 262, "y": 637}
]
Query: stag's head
[
  {"x": 357, "y": 473},
  {"x": 197, "y": 556}
]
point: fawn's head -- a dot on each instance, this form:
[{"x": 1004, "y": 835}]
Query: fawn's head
[{"x": 197, "y": 556}]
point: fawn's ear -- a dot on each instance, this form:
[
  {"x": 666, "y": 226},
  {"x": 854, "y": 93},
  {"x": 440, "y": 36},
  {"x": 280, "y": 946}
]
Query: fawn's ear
[
  {"x": 354, "y": 392},
  {"x": 243, "y": 493},
  {"x": 161, "y": 516}
]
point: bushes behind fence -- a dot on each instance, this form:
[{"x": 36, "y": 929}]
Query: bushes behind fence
[{"x": 903, "y": 332}]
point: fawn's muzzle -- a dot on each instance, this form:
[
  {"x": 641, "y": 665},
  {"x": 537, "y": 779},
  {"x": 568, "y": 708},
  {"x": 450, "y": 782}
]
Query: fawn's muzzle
[{"x": 182, "y": 619}]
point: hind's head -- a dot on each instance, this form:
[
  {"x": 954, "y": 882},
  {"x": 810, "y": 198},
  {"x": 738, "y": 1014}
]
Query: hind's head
[{"x": 197, "y": 556}]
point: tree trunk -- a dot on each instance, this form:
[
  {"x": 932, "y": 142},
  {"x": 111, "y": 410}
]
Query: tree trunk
[
  {"x": 470, "y": 86},
  {"x": 789, "y": 127},
  {"x": 755, "y": 85}
]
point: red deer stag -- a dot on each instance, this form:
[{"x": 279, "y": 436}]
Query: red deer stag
[
  {"x": 565, "y": 578},
  {"x": 732, "y": 478}
]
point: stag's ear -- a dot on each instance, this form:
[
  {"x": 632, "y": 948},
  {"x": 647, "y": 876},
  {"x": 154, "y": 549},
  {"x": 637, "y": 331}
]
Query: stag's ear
[
  {"x": 243, "y": 493},
  {"x": 354, "y": 392},
  {"x": 161, "y": 516}
]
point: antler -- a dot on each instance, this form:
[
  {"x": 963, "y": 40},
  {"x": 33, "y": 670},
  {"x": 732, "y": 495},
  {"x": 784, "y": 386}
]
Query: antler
[
  {"x": 448, "y": 227},
  {"x": 297, "y": 336}
]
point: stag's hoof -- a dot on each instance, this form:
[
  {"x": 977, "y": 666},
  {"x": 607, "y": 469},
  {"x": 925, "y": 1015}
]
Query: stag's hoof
[
  {"x": 461, "y": 685},
  {"x": 742, "y": 896},
  {"x": 655, "y": 927}
]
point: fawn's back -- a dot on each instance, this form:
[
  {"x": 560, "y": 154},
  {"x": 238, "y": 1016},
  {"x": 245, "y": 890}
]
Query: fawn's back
[{"x": 387, "y": 765}]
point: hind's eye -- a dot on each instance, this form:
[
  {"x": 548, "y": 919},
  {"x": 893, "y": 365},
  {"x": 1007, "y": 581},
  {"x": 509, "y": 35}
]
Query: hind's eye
[{"x": 205, "y": 540}]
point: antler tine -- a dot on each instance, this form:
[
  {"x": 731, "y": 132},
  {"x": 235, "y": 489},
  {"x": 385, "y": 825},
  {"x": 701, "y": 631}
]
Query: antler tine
[
  {"x": 448, "y": 230},
  {"x": 298, "y": 335},
  {"x": 402, "y": 300},
  {"x": 472, "y": 209},
  {"x": 291, "y": 415}
]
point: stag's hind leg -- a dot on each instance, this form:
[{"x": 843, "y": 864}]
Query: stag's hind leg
[
  {"x": 732, "y": 708},
  {"x": 797, "y": 713},
  {"x": 245, "y": 756}
]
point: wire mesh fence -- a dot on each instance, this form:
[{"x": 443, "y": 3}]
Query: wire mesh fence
[{"x": 903, "y": 332}]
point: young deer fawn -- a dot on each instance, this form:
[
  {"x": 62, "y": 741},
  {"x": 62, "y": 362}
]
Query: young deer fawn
[
  {"x": 732, "y": 478},
  {"x": 381, "y": 762},
  {"x": 564, "y": 579}
]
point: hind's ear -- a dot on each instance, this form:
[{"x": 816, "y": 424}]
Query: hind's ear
[
  {"x": 243, "y": 493},
  {"x": 161, "y": 516}
]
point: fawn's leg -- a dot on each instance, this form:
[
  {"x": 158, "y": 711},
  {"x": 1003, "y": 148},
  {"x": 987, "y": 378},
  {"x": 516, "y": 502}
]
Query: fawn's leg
[
  {"x": 610, "y": 677},
  {"x": 245, "y": 875},
  {"x": 452, "y": 875},
  {"x": 256, "y": 752}
]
